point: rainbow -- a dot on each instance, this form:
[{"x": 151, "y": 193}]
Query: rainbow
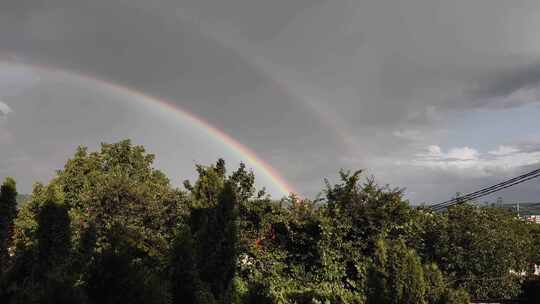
[{"x": 168, "y": 106}]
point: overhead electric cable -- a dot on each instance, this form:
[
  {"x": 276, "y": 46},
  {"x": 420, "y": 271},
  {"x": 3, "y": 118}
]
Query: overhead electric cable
[
  {"x": 482, "y": 193},
  {"x": 534, "y": 172},
  {"x": 488, "y": 190},
  {"x": 470, "y": 198}
]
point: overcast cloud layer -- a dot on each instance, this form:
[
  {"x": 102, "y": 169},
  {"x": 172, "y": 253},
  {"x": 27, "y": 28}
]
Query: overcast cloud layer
[{"x": 435, "y": 96}]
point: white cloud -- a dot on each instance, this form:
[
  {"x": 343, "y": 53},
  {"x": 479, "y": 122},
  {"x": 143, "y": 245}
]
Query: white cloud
[
  {"x": 504, "y": 150},
  {"x": 4, "y": 109},
  {"x": 462, "y": 154},
  {"x": 458, "y": 158},
  {"x": 435, "y": 153}
]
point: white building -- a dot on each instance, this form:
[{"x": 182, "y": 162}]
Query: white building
[{"x": 533, "y": 218}]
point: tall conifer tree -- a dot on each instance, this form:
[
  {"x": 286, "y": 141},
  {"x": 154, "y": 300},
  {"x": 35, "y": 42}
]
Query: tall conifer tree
[{"x": 8, "y": 211}]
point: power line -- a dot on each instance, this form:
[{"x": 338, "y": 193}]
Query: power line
[
  {"x": 466, "y": 198},
  {"x": 460, "y": 200},
  {"x": 512, "y": 180},
  {"x": 470, "y": 198},
  {"x": 488, "y": 190},
  {"x": 493, "y": 188}
]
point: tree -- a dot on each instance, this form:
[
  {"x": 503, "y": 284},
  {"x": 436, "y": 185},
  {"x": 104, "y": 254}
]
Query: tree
[
  {"x": 437, "y": 286},
  {"x": 110, "y": 228},
  {"x": 186, "y": 285},
  {"x": 480, "y": 249},
  {"x": 122, "y": 212},
  {"x": 41, "y": 270},
  {"x": 118, "y": 185},
  {"x": 8, "y": 212},
  {"x": 53, "y": 231},
  {"x": 54, "y": 249},
  {"x": 357, "y": 216},
  {"x": 366, "y": 211},
  {"x": 213, "y": 231},
  {"x": 118, "y": 275},
  {"x": 397, "y": 276}
]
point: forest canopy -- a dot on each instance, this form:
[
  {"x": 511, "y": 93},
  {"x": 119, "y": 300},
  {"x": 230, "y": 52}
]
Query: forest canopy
[{"x": 110, "y": 228}]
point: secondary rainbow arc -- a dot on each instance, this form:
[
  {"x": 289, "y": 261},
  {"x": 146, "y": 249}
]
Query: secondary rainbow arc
[{"x": 165, "y": 104}]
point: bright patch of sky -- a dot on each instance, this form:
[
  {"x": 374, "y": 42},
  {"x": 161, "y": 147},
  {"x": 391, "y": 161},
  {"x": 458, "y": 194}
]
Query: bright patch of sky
[
  {"x": 15, "y": 79},
  {"x": 486, "y": 129}
]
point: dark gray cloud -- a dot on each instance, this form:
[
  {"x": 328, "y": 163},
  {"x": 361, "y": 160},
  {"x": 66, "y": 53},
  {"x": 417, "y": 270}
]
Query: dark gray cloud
[
  {"x": 310, "y": 85},
  {"x": 506, "y": 82}
]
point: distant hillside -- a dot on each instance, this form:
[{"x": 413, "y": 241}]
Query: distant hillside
[
  {"x": 524, "y": 208},
  {"x": 22, "y": 198}
]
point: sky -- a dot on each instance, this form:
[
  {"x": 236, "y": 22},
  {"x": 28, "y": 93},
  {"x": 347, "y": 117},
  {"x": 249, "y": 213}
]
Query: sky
[{"x": 432, "y": 96}]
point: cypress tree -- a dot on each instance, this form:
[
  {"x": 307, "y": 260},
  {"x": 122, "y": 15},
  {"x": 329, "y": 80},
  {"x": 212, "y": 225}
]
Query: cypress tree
[
  {"x": 48, "y": 278},
  {"x": 406, "y": 282},
  {"x": 186, "y": 286},
  {"x": 219, "y": 246},
  {"x": 397, "y": 276},
  {"x": 8, "y": 212},
  {"x": 53, "y": 232},
  {"x": 203, "y": 260}
]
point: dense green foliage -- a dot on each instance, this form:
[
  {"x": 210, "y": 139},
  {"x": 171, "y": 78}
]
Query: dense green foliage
[
  {"x": 109, "y": 228},
  {"x": 8, "y": 211},
  {"x": 480, "y": 249}
]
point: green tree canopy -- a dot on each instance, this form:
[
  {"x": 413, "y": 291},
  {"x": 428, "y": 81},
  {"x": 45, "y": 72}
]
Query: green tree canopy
[
  {"x": 110, "y": 228},
  {"x": 483, "y": 250}
]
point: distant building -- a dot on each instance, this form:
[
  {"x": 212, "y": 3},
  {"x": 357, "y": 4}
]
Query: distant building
[{"x": 532, "y": 218}]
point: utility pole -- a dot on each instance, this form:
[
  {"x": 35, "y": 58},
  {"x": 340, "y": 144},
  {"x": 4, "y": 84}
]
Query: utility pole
[{"x": 499, "y": 202}]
